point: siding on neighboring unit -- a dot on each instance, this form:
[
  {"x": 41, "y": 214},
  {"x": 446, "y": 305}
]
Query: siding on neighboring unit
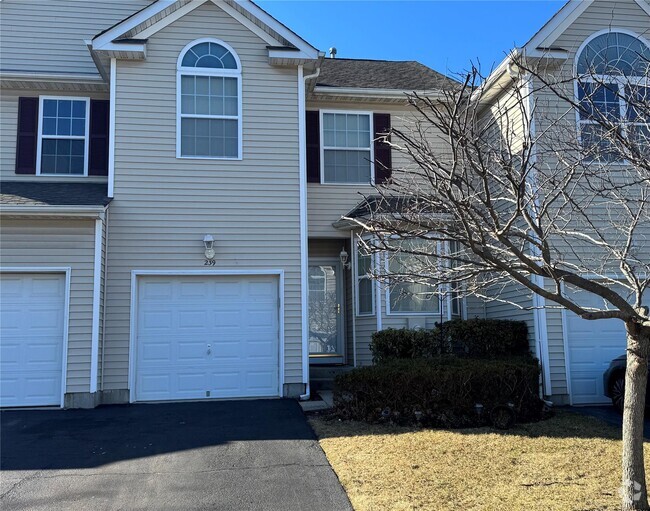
[
  {"x": 164, "y": 206},
  {"x": 600, "y": 15},
  {"x": 514, "y": 294},
  {"x": 60, "y": 243},
  {"x": 43, "y": 36},
  {"x": 9, "y": 130}
]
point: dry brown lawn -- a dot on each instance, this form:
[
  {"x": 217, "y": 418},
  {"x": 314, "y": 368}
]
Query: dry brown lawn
[{"x": 569, "y": 462}]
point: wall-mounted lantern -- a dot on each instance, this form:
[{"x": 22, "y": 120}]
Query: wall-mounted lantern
[
  {"x": 208, "y": 243},
  {"x": 343, "y": 256}
]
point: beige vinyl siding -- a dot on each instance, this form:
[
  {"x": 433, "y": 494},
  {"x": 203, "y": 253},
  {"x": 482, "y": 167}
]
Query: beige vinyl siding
[
  {"x": 47, "y": 36},
  {"x": 327, "y": 203},
  {"x": 9, "y": 132},
  {"x": 164, "y": 206},
  {"x": 513, "y": 293},
  {"x": 60, "y": 243}
]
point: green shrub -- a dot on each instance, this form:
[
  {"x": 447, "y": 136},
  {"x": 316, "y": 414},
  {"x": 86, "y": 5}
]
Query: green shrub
[
  {"x": 486, "y": 338},
  {"x": 439, "y": 392},
  {"x": 473, "y": 338}
]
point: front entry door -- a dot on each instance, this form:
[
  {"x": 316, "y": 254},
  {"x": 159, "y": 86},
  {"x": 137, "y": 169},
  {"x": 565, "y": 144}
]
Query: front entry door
[{"x": 325, "y": 312}]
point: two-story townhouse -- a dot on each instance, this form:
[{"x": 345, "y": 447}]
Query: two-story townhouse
[{"x": 174, "y": 174}]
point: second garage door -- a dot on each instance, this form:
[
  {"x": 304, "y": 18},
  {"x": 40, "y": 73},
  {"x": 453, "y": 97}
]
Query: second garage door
[
  {"x": 592, "y": 345},
  {"x": 201, "y": 337}
]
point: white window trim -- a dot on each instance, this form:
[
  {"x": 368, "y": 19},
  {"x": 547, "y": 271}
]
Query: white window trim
[
  {"x": 389, "y": 312},
  {"x": 357, "y": 278},
  {"x": 226, "y": 73},
  {"x": 86, "y": 137},
  {"x": 620, "y": 81},
  {"x": 371, "y": 150}
]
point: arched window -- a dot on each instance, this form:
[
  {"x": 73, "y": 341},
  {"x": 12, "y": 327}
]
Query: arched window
[
  {"x": 209, "y": 101},
  {"x": 612, "y": 70}
]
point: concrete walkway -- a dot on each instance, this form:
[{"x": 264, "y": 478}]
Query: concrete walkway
[{"x": 228, "y": 455}]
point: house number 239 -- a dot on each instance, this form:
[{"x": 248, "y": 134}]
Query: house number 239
[{"x": 209, "y": 262}]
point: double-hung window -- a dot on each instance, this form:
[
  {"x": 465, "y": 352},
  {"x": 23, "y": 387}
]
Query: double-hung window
[
  {"x": 365, "y": 285},
  {"x": 209, "y": 102},
  {"x": 347, "y": 148},
  {"x": 612, "y": 71},
  {"x": 408, "y": 292},
  {"x": 63, "y": 136}
]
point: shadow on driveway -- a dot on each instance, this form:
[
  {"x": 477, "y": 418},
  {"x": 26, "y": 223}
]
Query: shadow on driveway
[
  {"x": 607, "y": 414},
  {"x": 244, "y": 455}
]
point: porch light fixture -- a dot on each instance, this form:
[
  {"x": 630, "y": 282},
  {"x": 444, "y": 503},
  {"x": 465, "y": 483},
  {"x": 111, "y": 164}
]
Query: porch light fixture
[
  {"x": 208, "y": 243},
  {"x": 343, "y": 256}
]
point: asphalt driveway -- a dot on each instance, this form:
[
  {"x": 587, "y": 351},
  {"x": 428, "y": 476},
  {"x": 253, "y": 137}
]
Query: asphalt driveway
[{"x": 228, "y": 455}]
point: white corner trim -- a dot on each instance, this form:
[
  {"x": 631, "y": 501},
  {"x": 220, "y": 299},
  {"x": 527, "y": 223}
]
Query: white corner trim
[
  {"x": 304, "y": 247},
  {"x": 97, "y": 274},
  {"x": 215, "y": 273},
  {"x": 539, "y": 302},
  {"x": 354, "y": 299},
  {"x": 111, "y": 129},
  {"x": 67, "y": 271},
  {"x": 565, "y": 340}
]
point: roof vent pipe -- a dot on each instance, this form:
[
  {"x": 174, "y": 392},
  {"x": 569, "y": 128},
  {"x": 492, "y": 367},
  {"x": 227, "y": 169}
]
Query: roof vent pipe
[{"x": 332, "y": 52}]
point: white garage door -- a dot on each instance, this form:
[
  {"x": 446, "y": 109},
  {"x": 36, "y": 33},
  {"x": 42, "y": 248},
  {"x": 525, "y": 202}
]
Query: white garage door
[
  {"x": 32, "y": 308},
  {"x": 591, "y": 345},
  {"x": 204, "y": 337}
]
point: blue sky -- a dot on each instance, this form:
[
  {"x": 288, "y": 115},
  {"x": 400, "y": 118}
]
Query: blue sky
[{"x": 444, "y": 35}]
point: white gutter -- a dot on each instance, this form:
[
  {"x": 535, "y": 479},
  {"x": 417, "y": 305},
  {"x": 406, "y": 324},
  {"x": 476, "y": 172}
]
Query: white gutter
[
  {"x": 111, "y": 129},
  {"x": 71, "y": 211},
  {"x": 378, "y": 93},
  {"x": 94, "y": 336}
]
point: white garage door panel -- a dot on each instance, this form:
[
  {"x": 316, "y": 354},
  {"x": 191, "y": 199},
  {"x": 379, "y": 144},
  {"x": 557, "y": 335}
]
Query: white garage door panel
[
  {"x": 592, "y": 345},
  {"x": 31, "y": 339},
  {"x": 207, "y": 337}
]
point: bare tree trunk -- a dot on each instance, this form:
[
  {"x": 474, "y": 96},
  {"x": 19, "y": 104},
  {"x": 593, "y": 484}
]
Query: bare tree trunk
[{"x": 633, "y": 491}]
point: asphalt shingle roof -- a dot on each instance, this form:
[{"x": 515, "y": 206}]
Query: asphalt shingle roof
[
  {"x": 381, "y": 74},
  {"x": 33, "y": 193}
]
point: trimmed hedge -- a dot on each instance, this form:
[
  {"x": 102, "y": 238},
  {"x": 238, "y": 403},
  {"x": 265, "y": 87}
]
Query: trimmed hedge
[
  {"x": 473, "y": 338},
  {"x": 439, "y": 392}
]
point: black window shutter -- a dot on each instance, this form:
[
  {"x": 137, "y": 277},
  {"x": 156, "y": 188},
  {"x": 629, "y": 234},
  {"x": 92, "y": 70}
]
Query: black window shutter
[
  {"x": 27, "y": 136},
  {"x": 383, "y": 159},
  {"x": 313, "y": 146},
  {"x": 99, "y": 126}
]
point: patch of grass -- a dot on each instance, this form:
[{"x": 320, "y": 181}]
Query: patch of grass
[{"x": 569, "y": 462}]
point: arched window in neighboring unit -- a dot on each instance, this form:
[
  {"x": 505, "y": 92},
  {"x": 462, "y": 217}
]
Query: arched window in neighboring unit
[
  {"x": 209, "y": 101},
  {"x": 612, "y": 69}
]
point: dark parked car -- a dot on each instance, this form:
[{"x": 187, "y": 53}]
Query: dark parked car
[{"x": 614, "y": 380}]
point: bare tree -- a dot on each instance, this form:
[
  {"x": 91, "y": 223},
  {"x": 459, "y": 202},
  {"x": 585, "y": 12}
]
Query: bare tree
[{"x": 508, "y": 190}]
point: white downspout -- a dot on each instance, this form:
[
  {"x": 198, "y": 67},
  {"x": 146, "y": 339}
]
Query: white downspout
[{"x": 304, "y": 284}]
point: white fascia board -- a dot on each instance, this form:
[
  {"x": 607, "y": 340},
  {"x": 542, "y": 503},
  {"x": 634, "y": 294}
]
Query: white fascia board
[
  {"x": 278, "y": 27},
  {"x": 168, "y": 20},
  {"x": 547, "y": 35},
  {"x": 132, "y": 51},
  {"x": 644, "y": 5},
  {"x": 72, "y": 211},
  {"x": 289, "y": 54},
  {"x": 129, "y": 23}
]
